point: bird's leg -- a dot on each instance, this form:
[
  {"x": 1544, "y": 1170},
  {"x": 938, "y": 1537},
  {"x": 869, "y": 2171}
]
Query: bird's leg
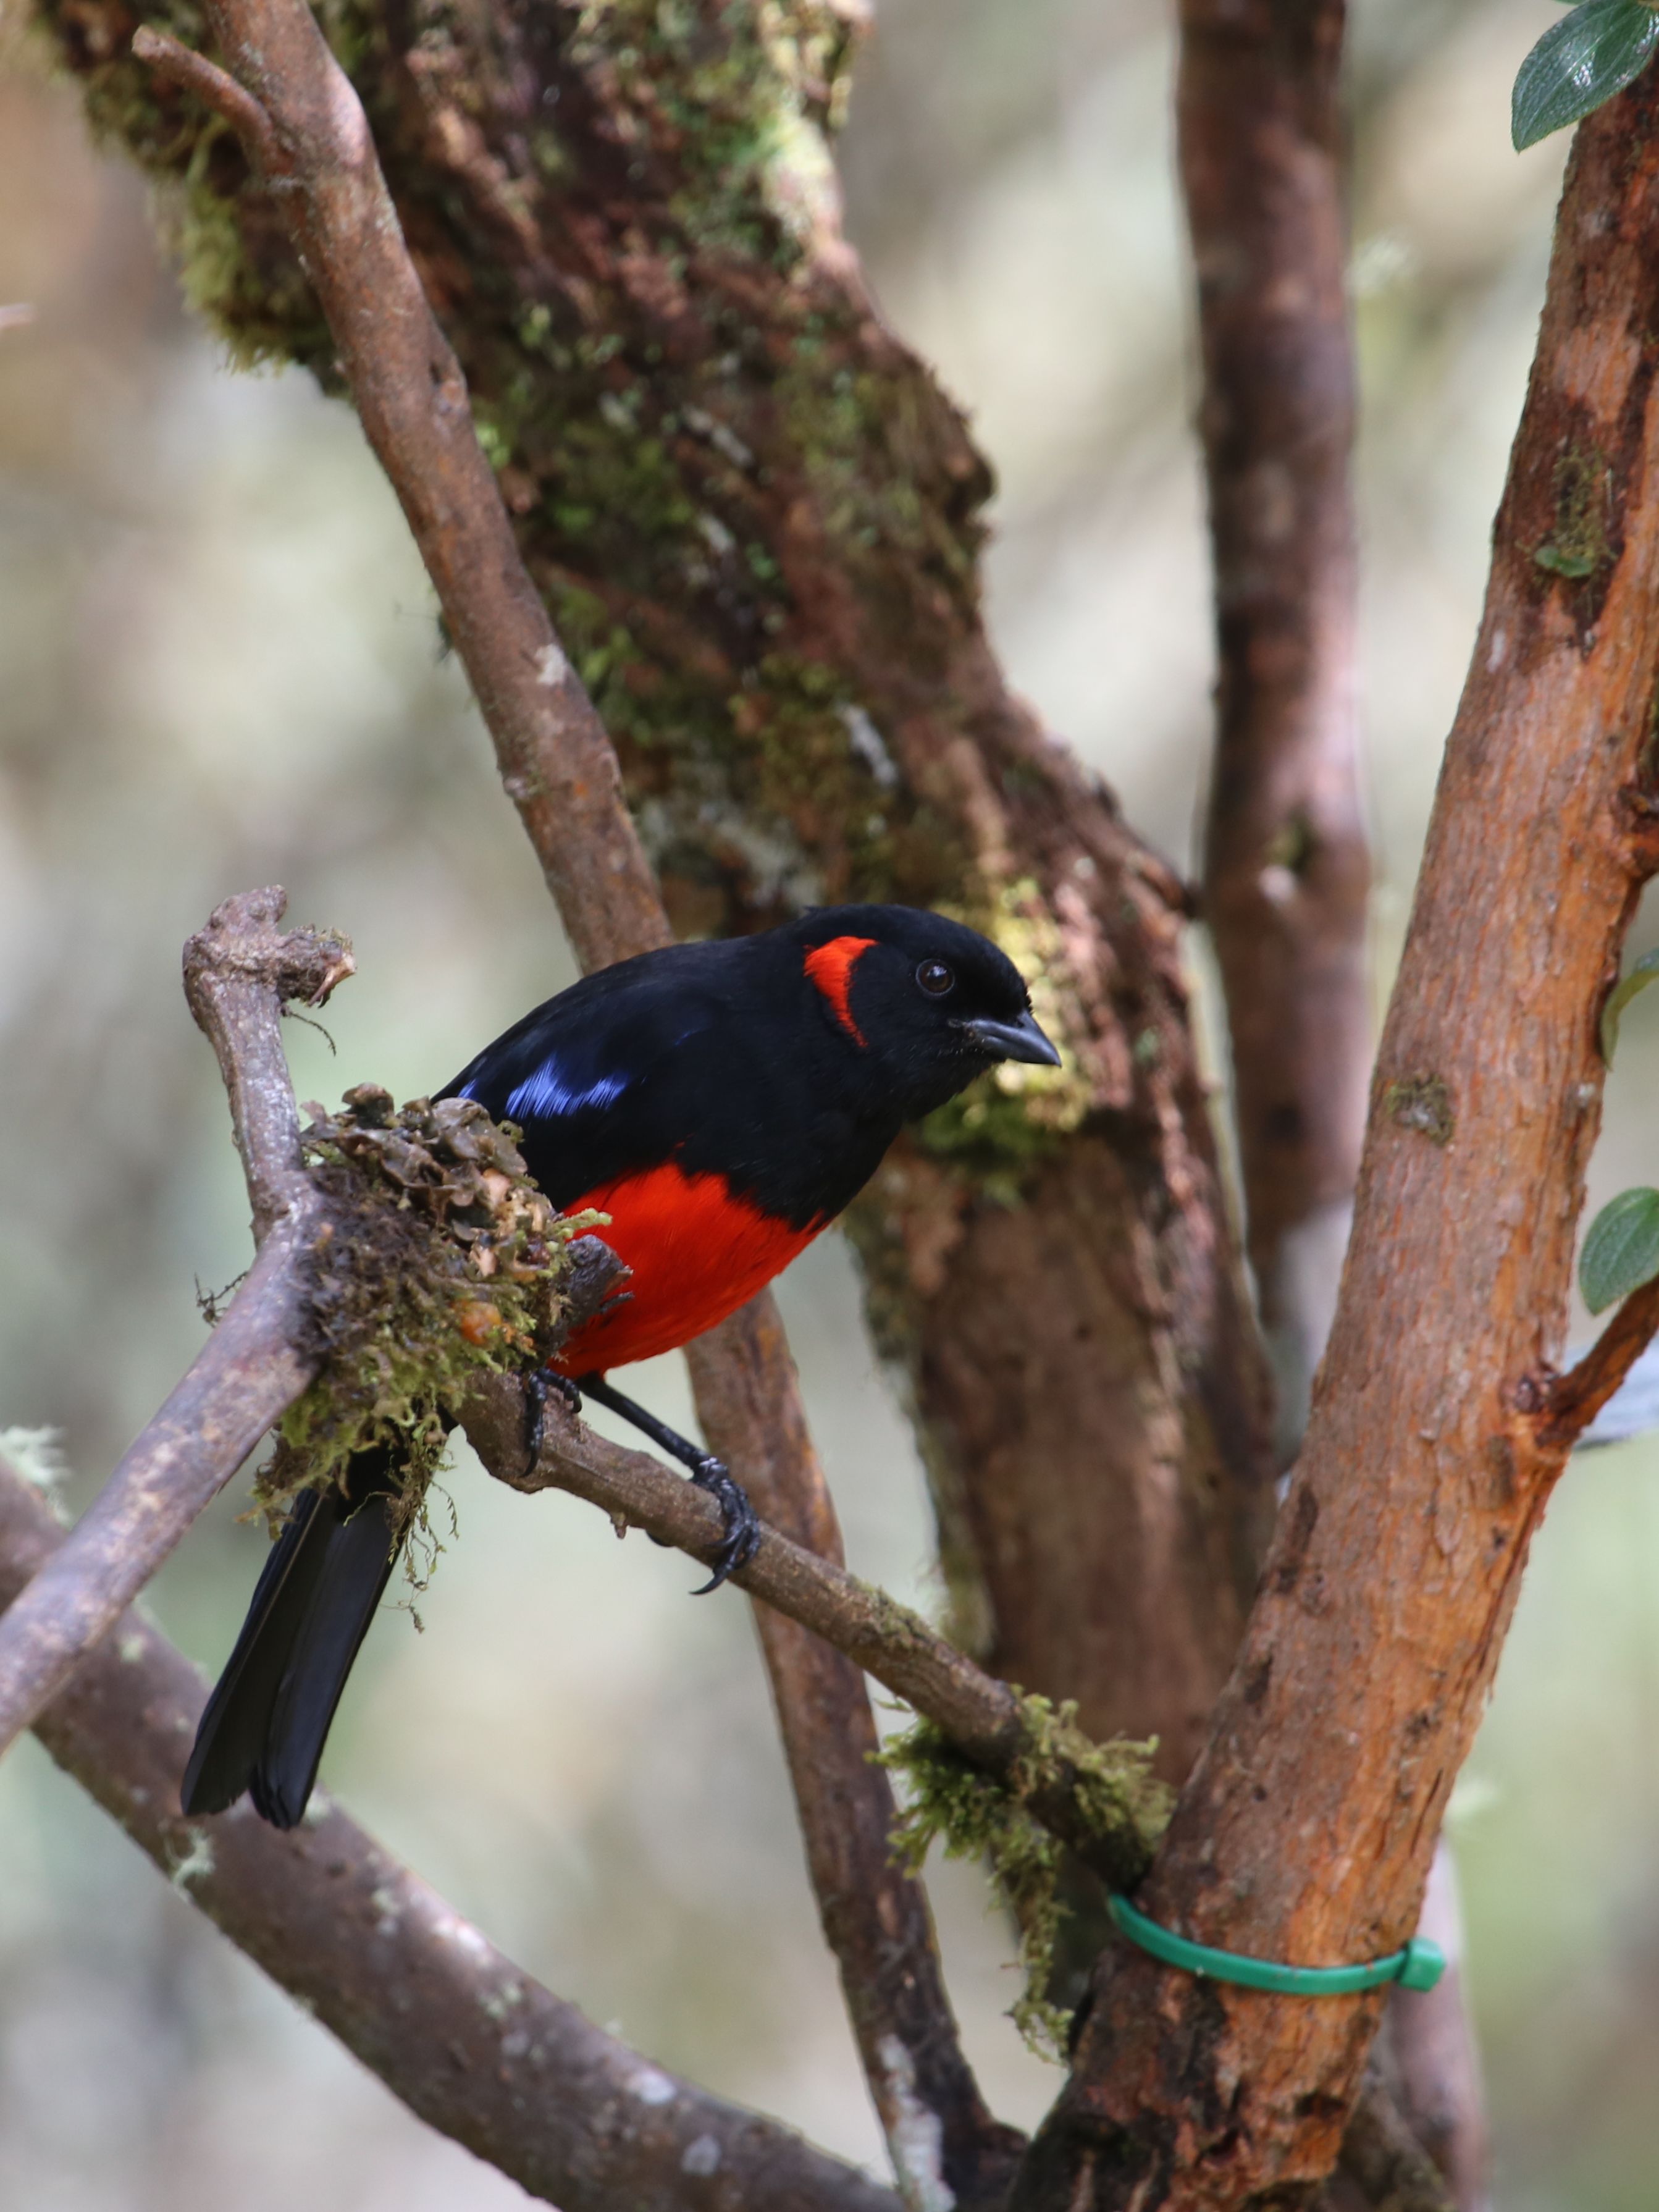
[
  {"x": 740, "y": 1521},
  {"x": 538, "y": 1387}
]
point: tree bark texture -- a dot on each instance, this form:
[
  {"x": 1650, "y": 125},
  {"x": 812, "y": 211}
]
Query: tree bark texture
[
  {"x": 754, "y": 517},
  {"x": 1262, "y": 136},
  {"x": 1307, "y": 1829},
  {"x": 874, "y": 1912},
  {"x": 474, "y": 2046},
  {"x": 1286, "y": 871}
]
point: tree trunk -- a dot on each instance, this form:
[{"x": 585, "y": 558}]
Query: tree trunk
[
  {"x": 1438, "y": 1430},
  {"x": 1263, "y": 172}
]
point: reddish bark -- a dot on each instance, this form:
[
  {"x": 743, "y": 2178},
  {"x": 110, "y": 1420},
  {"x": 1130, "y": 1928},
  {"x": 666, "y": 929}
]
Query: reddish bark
[
  {"x": 1306, "y": 1830},
  {"x": 1262, "y": 144}
]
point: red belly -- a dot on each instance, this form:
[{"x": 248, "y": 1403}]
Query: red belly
[{"x": 697, "y": 1253}]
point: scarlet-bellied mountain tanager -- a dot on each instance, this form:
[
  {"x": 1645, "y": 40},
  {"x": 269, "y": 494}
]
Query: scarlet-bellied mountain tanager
[{"x": 722, "y": 1102}]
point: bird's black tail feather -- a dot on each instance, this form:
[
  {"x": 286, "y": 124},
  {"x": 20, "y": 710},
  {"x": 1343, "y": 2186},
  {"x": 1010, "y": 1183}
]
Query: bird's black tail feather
[{"x": 268, "y": 1719}]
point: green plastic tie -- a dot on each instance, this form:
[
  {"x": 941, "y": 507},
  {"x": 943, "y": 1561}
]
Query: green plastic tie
[{"x": 1419, "y": 1967}]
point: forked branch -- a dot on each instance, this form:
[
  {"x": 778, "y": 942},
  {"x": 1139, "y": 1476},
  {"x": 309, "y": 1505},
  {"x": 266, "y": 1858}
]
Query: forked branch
[{"x": 1575, "y": 1399}]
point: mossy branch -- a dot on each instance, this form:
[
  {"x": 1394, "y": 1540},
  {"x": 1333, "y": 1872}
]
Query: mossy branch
[
  {"x": 400, "y": 1255},
  {"x": 441, "y": 1260},
  {"x": 1111, "y": 1793},
  {"x": 1101, "y": 1800}
]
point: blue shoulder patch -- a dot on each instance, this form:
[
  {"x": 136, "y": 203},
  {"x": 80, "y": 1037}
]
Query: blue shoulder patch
[{"x": 546, "y": 1094}]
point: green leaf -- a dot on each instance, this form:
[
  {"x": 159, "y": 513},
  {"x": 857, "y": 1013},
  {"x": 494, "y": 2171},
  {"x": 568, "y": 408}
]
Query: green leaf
[
  {"x": 1622, "y": 1252},
  {"x": 1578, "y": 63},
  {"x": 1634, "y": 981}
]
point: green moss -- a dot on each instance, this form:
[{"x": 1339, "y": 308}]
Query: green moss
[
  {"x": 1293, "y": 844},
  {"x": 1002, "y": 1128},
  {"x": 990, "y": 1137},
  {"x": 1577, "y": 546},
  {"x": 745, "y": 110},
  {"x": 441, "y": 1260},
  {"x": 973, "y": 1814}
]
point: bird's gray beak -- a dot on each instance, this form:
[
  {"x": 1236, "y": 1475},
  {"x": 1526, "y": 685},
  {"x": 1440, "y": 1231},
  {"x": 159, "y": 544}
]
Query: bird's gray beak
[{"x": 1020, "y": 1040}]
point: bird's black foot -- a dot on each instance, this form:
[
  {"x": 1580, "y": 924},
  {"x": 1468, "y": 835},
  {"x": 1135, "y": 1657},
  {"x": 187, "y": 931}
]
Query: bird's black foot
[
  {"x": 740, "y": 1524},
  {"x": 542, "y": 1385},
  {"x": 740, "y": 1521}
]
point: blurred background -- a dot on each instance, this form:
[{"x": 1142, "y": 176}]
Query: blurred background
[{"x": 218, "y": 667}]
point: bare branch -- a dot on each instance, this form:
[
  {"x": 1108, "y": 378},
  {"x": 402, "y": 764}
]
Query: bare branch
[
  {"x": 983, "y": 1718},
  {"x": 1286, "y": 871},
  {"x": 215, "y": 88},
  {"x": 1578, "y": 1396},
  {"x": 469, "y": 2041},
  {"x": 875, "y": 1915},
  {"x": 239, "y": 972}
]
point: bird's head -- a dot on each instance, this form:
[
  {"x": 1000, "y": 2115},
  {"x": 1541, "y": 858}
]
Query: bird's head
[{"x": 930, "y": 1004}]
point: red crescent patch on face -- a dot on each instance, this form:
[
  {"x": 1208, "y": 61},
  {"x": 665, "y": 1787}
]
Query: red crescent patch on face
[
  {"x": 697, "y": 1253},
  {"x": 829, "y": 967}
]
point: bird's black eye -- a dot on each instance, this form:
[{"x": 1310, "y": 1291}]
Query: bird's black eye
[{"x": 935, "y": 978}]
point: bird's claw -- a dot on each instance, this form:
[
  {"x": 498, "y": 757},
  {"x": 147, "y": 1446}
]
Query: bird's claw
[
  {"x": 740, "y": 1524},
  {"x": 540, "y": 1386}
]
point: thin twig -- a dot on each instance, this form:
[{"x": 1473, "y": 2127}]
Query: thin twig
[
  {"x": 984, "y": 1719},
  {"x": 467, "y": 2039},
  {"x": 1262, "y": 143},
  {"x": 215, "y": 88},
  {"x": 239, "y": 972},
  {"x": 1578, "y": 1395},
  {"x": 259, "y": 1358}
]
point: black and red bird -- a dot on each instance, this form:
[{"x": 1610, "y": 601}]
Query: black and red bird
[{"x": 722, "y": 1102}]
